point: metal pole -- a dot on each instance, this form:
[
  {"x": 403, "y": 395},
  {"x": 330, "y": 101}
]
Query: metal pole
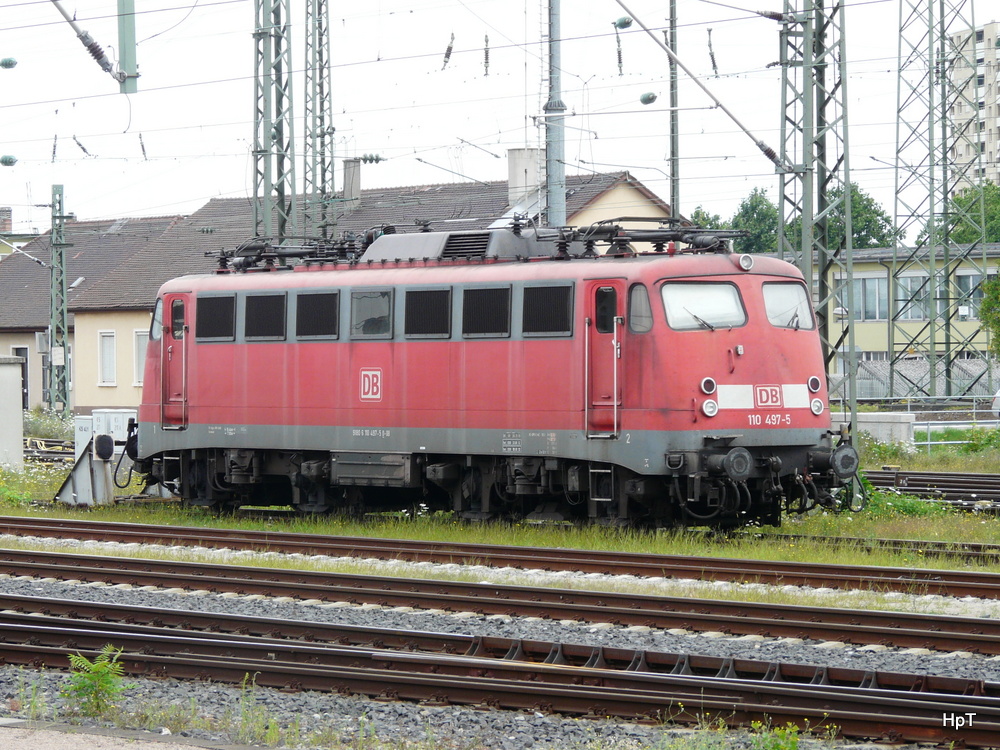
[
  {"x": 675, "y": 148},
  {"x": 58, "y": 325},
  {"x": 555, "y": 171}
]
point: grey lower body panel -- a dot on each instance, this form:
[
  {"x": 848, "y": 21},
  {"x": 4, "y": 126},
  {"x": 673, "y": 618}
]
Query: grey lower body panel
[{"x": 644, "y": 452}]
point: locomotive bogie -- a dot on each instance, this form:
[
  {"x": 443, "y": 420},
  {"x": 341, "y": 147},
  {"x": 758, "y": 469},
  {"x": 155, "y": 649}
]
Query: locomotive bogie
[{"x": 654, "y": 389}]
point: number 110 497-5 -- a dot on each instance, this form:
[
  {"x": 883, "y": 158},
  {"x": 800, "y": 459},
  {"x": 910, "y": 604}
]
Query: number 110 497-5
[{"x": 769, "y": 420}]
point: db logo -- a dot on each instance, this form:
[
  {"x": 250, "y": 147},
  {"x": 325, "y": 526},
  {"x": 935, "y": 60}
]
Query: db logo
[
  {"x": 371, "y": 384},
  {"x": 767, "y": 396}
]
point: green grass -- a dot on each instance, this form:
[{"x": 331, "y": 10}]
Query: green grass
[
  {"x": 36, "y": 481},
  {"x": 42, "y": 422},
  {"x": 888, "y": 515}
]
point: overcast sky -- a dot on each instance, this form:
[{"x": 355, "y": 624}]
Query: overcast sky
[{"x": 187, "y": 135}]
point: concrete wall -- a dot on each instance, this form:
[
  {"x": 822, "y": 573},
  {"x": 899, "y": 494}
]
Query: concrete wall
[
  {"x": 886, "y": 427},
  {"x": 11, "y": 421}
]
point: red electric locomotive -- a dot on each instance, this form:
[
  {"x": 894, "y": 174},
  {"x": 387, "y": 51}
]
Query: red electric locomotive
[{"x": 507, "y": 372}]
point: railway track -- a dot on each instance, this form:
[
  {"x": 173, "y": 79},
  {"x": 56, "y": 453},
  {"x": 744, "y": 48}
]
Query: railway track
[
  {"x": 627, "y": 609},
  {"x": 48, "y": 450},
  {"x": 504, "y": 673},
  {"x": 979, "y": 492},
  {"x": 907, "y": 580}
]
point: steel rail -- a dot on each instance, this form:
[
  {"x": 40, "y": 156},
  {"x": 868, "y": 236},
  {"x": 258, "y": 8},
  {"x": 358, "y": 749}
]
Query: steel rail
[
  {"x": 737, "y": 618},
  {"x": 24, "y": 613},
  {"x": 971, "y": 491},
  {"x": 864, "y": 710},
  {"x": 907, "y": 580}
]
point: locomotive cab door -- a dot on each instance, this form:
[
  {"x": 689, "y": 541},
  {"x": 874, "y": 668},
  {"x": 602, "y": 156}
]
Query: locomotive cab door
[
  {"x": 605, "y": 320},
  {"x": 173, "y": 363}
]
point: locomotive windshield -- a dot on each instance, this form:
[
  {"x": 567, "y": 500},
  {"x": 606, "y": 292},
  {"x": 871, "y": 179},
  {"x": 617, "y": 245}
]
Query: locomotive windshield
[
  {"x": 706, "y": 306},
  {"x": 787, "y": 305},
  {"x": 156, "y": 326}
]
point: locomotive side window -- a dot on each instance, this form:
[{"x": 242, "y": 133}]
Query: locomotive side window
[
  {"x": 548, "y": 311},
  {"x": 265, "y": 316},
  {"x": 177, "y": 319},
  {"x": 605, "y": 309},
  {"x": 787, "y": 305},
  {"x": 317, "y": 315},
  {"x": 486, "y": 312},
  {"x": 216, "y": 318},
  {"x": 156, "y": 325},
  {"x": 371, "y": 314},
  {"x": 428, "y": 313},
  {"x": 703, "y": 306},
  {"x": 640, "y": 313}
]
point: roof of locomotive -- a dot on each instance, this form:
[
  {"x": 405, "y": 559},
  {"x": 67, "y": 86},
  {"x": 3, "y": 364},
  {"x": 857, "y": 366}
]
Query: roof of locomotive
[{"x": 539, "y": 261}]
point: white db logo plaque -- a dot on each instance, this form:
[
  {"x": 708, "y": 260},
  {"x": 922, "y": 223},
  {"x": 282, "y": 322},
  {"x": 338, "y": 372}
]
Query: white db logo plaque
[
  {"x": 767, "y": 396},
  {"x": 371, "y": 384}
]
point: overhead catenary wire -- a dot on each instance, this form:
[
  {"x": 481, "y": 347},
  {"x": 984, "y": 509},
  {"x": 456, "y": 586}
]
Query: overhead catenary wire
[
  {"x": 769, "y": 152},
  {"x": 159, "y": 148}
]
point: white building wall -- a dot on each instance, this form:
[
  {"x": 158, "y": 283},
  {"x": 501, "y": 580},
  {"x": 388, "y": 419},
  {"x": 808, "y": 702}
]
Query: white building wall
[{"x": 11, "y": 422}]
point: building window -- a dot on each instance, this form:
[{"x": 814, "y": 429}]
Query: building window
[
  {"x": 970, "y": 294},
  {"x": 912, "y": 298},
  {"x": 106, "y": 358},
  {"x": 141, "y": 339},
  {"x": 871, "y": 300},
  {"x": 23, "y": 352}
]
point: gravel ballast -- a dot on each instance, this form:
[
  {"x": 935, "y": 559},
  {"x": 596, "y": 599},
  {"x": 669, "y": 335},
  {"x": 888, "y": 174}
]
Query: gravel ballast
[{"x": 347, "y": 718}]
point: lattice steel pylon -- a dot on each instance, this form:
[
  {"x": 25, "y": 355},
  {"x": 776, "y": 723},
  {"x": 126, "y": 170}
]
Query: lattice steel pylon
[
  {"x": 815, "y": 186},
  {"x": 317, "y": 150},
  {"x": 937, "y": 154},
  {"x": 58, "y": 385},
  {"x": 275, "y": 210}
]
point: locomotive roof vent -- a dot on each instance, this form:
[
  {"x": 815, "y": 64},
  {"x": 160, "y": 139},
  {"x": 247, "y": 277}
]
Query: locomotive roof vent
[{"x": 466, "y": 245}]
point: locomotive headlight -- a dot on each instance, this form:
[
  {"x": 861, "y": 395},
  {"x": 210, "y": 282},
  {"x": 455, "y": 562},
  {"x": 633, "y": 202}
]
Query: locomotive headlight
[
  {"x": 708, "y": 386},
  {"x": 814, "y": 384},
  {"x": 710, "y": 407},
  {"x": 746, "y": 262},
  {"x": 817, "y": 406}
]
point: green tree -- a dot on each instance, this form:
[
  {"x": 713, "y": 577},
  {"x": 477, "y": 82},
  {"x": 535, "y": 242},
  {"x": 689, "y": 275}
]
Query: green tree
[
  {"x": 989, "y": 313},
  {"x": 758, "y": 216},
  {"x": 870, "y": 224},
  {"x": 964, "y": 232},
  {"x": 701, "y": 218}
]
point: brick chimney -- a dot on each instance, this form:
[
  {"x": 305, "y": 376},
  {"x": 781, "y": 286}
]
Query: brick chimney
[
  {"x": 6, "y": 220},
  {"x": 525, "y": 174}
]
